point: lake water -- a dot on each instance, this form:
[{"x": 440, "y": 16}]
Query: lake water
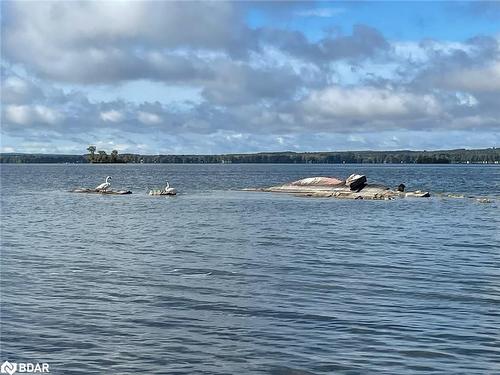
[{"x": 219, "y": 281}]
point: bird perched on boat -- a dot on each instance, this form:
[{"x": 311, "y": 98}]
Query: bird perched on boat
[
  {"x": 169, "y": 190},
  {"x": 105, "y": 185}
]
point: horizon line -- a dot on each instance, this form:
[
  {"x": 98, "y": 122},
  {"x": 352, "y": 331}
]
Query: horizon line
[{"x": 259, "y": 152}]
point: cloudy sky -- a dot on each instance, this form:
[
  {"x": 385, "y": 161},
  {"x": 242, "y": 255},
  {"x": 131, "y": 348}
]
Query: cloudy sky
[{"x": 221, "y": 77}]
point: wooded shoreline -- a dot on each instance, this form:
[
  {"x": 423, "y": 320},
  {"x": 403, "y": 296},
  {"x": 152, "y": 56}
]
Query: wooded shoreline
[{"x": 459, "y": 156}]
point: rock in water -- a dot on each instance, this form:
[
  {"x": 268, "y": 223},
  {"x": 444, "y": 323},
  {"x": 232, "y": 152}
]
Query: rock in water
[{"x": 356, "y": 181}]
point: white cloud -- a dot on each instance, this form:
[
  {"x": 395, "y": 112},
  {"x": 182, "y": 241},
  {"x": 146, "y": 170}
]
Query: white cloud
[
  {"x": 18, "y": 114},
  {"x": 369, "y": 103},
  {"x": 47, "y": 115},
  {"x": 477, "y": 79},
  {"x": 162, "y": 23},
  {"x": 237, "y": 136},
  {"x": 16, "y": 90},
  {"x": 356, "y": 138},
  {"x": 27, "y": 115},
  {"x": 188, "y": 82},
  {"x": 112, "y": 116},
  {"x": 320, "y": 12},
  {"x": 109, "y": 37},
  {"x": 149, "y": 118},
  {"x": 15, "y": 85},
  {"x": 466, "y": 99},
  {"x": 475, "y": 122}
]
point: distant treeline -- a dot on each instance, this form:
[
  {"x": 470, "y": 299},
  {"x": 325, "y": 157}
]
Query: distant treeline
[{"x": 461, "y": 156}]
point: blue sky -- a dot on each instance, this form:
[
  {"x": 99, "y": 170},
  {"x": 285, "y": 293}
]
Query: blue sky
[
  {"x": 410, "y": 20},
  {"x": 219, "y": 77}
]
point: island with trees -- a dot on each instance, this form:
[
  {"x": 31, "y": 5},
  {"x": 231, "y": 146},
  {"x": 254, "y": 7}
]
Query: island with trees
[{"x": 458, "y": 156}]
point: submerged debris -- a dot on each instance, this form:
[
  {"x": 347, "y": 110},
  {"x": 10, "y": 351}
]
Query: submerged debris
[
  {"x": 484, "y": 200},
  {"x": 98, "y": 191},
  {"x": 162, "y": 192},
  {"x": 454, "y": 196}
]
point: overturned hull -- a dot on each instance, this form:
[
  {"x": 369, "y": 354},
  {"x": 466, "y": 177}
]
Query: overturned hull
[{"x": 354, "y": 187}]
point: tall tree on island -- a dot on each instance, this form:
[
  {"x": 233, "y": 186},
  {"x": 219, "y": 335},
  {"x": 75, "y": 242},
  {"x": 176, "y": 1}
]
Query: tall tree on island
[
  {"x": 102, "y": 157},
  {"x": 114, "y": 156},
  {"x": 91, "y": 149}
]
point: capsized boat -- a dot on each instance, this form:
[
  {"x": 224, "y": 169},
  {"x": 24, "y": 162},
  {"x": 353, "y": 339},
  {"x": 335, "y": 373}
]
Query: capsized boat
[{"x": 353, "y": 187}]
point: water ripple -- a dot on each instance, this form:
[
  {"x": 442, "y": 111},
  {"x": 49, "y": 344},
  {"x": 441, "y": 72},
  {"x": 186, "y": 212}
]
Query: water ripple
[{"x": 218, "y": 281}]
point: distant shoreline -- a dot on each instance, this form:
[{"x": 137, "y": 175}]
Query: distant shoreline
[{"x": 457, "y": 156}]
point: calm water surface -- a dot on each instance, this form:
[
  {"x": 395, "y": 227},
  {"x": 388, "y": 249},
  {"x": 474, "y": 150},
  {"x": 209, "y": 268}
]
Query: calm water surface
[{"x": 219, "y": 281}]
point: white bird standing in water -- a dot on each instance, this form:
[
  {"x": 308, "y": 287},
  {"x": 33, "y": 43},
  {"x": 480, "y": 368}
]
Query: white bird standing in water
[{"x": 105, "y": 185}]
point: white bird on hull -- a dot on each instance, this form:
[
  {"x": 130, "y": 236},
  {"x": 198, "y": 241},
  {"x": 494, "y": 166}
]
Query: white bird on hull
[
  {"x": 169, "y": 190},
  {"x": 105, "y": 185}
]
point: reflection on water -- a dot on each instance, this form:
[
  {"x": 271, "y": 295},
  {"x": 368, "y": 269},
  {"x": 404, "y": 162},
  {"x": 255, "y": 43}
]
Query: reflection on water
[{"x": 221, "y": 281}]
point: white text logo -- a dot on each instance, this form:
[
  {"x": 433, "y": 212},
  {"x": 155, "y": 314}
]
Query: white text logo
[
  {"x": 23, "y": 367},
  {"x": 8, "y": 368}
]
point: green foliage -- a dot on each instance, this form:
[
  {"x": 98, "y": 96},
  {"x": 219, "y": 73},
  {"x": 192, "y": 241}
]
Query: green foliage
[
  {"x": 461, "y": 156},
  {"x": 103, "y": 157},
  {"x": 114, "y": 156},
  {"x": 91, "y": 149}
]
